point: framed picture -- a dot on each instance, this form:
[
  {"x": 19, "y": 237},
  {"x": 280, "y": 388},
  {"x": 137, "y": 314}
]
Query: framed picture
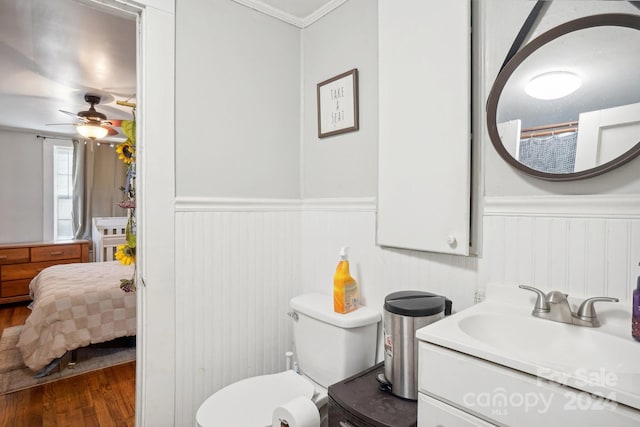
[{"x": 338, "y": 104}]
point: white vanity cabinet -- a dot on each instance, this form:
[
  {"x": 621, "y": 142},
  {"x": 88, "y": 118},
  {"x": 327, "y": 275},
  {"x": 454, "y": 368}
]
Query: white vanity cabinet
[
  {"x": 434, "y": 413},
  {"x": 456, "y": 389},
  {"x": 424, "y": 113}
]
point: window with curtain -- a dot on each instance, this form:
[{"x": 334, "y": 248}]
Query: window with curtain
[
  {"x": 62, "y": 192},
  {"x": 95, "y": 191}
]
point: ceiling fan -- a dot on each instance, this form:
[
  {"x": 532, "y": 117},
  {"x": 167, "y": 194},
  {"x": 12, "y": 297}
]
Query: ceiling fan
[{"x": 94, "y": 124}]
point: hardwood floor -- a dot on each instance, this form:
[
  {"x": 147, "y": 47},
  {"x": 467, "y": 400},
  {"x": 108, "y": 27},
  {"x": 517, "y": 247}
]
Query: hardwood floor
[
  {"x": 100, "y": 398},
  {"x": 13, "y": 314}
]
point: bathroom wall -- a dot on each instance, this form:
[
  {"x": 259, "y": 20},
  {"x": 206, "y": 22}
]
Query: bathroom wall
[
  {"x": 237, "y": 267},
  {"x": 580, "y": 236},
  {"x": 344, "y": 165},
  {"x": 332, "y": 218},
  {"x": 586, "y": 245},
  {"x": 239, "y": 99},
  {"x": 243, "y": 251},
  {"x": 237, "y": 215}
]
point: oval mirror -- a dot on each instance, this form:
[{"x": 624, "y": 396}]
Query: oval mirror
[{"x": 586, "y": 132}]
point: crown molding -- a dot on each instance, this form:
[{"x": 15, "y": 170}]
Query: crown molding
[
  {"x": 324, "y": 10},
  {"x": 261, "y": 7},
  {"x": 301, "y": 23}
]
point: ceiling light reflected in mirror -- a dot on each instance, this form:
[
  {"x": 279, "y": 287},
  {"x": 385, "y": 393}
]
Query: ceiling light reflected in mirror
[{"x": 553, "y": 85}]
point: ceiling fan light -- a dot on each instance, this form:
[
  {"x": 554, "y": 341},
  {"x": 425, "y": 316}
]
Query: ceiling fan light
[
  {"x": 553, "y": 85},
  {"x": 92, "y": 131}
]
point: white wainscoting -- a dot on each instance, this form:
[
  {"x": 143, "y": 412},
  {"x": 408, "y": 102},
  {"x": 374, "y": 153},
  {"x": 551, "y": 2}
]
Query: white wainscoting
[
  {"x": 237, "y": 266},
  {"x": 582, "y": 245},
  {"x": 379, "y": 271},
  {"x": 238, "y": 262}
]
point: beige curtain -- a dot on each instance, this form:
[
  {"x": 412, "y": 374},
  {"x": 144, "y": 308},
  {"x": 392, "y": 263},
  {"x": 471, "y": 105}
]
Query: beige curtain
[{"x": 98, "y": 175}]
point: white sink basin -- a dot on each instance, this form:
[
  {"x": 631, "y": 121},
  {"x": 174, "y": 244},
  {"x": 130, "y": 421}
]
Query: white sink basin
[
  {"x": 553, "y": 344},
  {"x": 501, "y": 329}
]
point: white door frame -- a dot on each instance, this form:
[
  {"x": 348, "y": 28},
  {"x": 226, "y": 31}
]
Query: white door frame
[{"x": 155, "y": 353}]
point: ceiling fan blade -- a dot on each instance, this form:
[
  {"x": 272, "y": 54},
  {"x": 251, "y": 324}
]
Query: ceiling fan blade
[
  {"x": 111, "y": 130},
  {"x": 116, "y": 123},
  {"x": 62, "y": 124},
  {"x": 120, "y": 111},
  {"x": 70, "y": 114}
]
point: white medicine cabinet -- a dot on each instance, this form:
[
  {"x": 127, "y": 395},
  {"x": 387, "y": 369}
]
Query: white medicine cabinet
[{"x": 424, "y": 159}]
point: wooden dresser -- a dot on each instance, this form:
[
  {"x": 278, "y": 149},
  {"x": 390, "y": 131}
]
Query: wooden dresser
[{"x": 21, "y": 262}]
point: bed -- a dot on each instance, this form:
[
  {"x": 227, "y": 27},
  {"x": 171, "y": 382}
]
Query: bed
[{"x": 75, "y": 305}]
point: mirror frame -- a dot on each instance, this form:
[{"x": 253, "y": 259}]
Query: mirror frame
[{"x": 612, "y": 19}]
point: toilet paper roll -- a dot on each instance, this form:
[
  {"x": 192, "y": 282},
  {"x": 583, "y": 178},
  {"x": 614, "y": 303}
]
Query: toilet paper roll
[{"x": 299, "y": 412}]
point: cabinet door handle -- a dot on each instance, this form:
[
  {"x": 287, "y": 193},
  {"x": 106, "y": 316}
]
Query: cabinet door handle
[{"x": 56, "y": 253}]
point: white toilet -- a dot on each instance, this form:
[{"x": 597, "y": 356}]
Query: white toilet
[{"x": 329, "y": 346}]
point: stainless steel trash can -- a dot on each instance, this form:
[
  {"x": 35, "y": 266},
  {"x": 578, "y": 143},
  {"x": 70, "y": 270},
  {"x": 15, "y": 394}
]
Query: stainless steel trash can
[{"x": 404, "y": 313}]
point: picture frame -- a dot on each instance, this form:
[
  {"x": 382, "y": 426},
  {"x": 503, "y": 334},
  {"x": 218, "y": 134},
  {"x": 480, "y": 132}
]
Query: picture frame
[{"x": 338, "y": 104}]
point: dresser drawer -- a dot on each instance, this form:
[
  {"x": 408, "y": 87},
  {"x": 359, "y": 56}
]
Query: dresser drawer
[
  {"x": 14, "y": 288},
  {"x": 21, "y": 262},
  {"x": 55, "y": 252},
  {"x": 11, "y": 256},
  {"x": 27, "y": 271}
]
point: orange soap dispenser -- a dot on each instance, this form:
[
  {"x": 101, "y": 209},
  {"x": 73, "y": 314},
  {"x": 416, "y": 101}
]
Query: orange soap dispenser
[{"x": 345, "y": 289}]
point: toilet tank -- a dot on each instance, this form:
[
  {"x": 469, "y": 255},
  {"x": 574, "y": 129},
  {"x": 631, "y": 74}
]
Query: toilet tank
[{"x": 331, "y": 346}]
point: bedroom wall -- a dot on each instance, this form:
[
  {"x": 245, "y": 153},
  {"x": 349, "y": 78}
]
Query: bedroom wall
[
  {"x": 24, "y": 215},
  {"x": 231, "y": 254},
  {"x": 20, "y": 187}
]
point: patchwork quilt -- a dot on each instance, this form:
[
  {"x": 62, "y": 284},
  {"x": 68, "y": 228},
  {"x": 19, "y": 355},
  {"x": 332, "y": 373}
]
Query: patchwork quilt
[{"x": 75, "y": 305}]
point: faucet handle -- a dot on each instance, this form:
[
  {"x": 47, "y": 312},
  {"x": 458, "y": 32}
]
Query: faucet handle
[
  {"x": 587, "y": 310},
  {"x": 541, "y": 302}
]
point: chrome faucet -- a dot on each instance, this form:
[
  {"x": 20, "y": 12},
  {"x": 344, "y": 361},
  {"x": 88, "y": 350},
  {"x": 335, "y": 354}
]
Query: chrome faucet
[{"x": 555, "y": 306}]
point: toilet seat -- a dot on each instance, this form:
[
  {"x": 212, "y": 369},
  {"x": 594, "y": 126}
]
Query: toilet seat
[{"x": 250, "y": 402}]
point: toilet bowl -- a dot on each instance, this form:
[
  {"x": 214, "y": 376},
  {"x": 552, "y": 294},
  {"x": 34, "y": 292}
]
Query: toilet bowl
[
  {"x": 330, "y": 347},
  {"x": 250, "y": 402}
]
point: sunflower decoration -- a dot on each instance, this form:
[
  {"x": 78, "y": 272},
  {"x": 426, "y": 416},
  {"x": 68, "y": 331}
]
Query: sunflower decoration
[
  {"x": 126, "y": 152},
  {"x": 126, "y": 253}
]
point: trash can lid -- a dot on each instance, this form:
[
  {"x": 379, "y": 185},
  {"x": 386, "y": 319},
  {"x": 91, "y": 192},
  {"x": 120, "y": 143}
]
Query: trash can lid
[{"x": 415, "y": 303}]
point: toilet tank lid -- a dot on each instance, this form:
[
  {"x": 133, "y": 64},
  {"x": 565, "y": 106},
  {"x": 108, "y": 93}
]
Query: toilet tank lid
[{"x": 320, "y": 307}]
